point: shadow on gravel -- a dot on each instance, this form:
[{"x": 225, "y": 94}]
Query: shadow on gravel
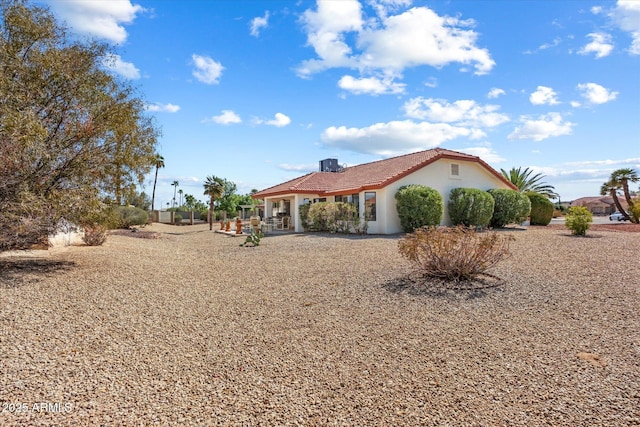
[
  {"x": 17, "y": 272},
  {"x": 437, "y": 288}
]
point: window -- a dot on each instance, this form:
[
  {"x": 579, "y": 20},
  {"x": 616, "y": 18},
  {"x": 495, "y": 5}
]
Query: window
[
  {"x": 354, "y": 199},
  {"x": 455, "y": 170},
  {"x": 370, "y": 205},
  {"x": 320, "y": 200}
]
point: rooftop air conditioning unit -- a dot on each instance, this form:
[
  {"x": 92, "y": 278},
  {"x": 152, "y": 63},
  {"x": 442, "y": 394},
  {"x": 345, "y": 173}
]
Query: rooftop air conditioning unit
[{"x": 329, "y": 165}]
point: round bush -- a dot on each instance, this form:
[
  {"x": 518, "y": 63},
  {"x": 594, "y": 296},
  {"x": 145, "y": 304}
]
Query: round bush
[
  {"x": 511, "y": 207},
  {"x": 128, "y": 216},
  {"x": 418, "y": 206},
  {"x": 470, "y": 207},
  {"x": 578, "y": 220},
  {"x": 541, "y": 209}
]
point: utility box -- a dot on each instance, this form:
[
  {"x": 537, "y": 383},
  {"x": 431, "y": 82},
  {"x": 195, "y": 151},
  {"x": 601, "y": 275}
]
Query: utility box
[{"x": 329, "y": 165}]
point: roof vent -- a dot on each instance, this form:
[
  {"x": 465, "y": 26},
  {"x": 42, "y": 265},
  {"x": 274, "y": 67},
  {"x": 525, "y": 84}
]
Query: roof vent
[{"x": 329, "y": 165}]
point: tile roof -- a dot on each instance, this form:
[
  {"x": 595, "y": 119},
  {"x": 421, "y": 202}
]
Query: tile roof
[{"x": 369, "y": 176}]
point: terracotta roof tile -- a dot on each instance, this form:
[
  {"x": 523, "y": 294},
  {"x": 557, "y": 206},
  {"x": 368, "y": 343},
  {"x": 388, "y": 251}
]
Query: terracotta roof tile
[{"x": 367, "y": 176}]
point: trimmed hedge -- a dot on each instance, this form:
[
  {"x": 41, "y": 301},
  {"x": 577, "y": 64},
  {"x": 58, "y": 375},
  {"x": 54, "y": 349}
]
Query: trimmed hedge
[
  {"x": 511, "y": 207},
  {"x": 541, "y": 209},
  {"x": 470, "y": 207},
  {"x": 418, "y": 206}
]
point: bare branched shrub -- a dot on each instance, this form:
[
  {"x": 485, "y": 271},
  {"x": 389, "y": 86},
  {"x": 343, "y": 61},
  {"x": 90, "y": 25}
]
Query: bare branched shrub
[
  {"x": 94, "y": 235},
  {"x": 454, "y": 254}
]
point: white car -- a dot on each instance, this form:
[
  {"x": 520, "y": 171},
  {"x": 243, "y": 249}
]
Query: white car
[{"x": 617, "y": 216}]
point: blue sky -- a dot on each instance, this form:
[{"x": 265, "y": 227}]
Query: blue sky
[{"x": 259, "y": 91}]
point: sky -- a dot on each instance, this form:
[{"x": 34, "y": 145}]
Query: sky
[{"x": 258, "y": 92}]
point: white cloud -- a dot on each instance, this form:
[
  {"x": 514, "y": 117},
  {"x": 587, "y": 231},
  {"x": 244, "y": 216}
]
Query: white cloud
[
  {"x": 280, "y": 120},
  {"x": 102, "y": 19},
  {"x": 596, "y": 10},
  {"x": 544, "y": 96},
  {"x": 632, "y": 161},
  {"x": 462, "y": 112},
  {"x": 227, "y": 117},
  {"x": 544, "y": 127},
  {"x": 388, "y": 44},
  {"x": 117, "y": 65},
  {"x": 555, "y": 42},
  {"x": 392, "y": 138},
  {"x": 627, "y": 17},
  {"x": 431, "y": 82},
  {"x": 163, "y": 108},
  {"x": 259, "y": 23},
  {"x": 370, "y": 85},
  {"x": 600, "y": 45},
  {"x": 596, "y": 94},
  {"x": 495, "y": 92},
  {"x": 326, "y": 28},
  {"x": 299, "y": 168},
  {"x": 384, "y": 7},
  {"x": 418, "y": 37},
  {"x": 207, "y": 70},
  {"x": 485, "y": 153}
]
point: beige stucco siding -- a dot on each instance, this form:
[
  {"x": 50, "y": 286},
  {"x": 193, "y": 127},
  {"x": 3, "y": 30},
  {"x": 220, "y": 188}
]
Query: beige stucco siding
[{"x": 436, "y": 175}]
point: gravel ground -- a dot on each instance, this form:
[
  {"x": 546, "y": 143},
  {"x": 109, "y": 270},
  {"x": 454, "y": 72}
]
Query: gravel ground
[{"x": 191, "y": 329}]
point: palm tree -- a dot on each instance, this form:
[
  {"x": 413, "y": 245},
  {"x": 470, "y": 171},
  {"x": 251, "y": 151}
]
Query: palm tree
[
  {"x": 620, "y": 180},
  {"x": 158, "y": 161},
  {"x": 180, "y": 192},
  {"x": 214, "y": 188},
  {"x": 175, "y": 187},
  {"x": 526, "y": 183}
]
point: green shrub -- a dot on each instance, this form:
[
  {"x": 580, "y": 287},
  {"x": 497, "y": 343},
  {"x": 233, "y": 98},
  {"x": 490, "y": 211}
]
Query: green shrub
[
  {"x": 177, "y": 219},
  {"x": 541, "y": 209},
  {"x": 128, "y": 216},
  {"x": 511, "y": 207},
  {"x": 303, "y": 211},
  {"x": 578, "y": 220},
  {"x": 453, "y": 254},
  {"x": 334, "y": 217},
  {"x": 418, "y": 206},
  {"x": 470, "y": 207},
  {"x": 253, "y": 239}
]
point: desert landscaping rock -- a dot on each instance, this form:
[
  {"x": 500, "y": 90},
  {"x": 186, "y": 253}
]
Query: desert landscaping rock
[{"x": 188, "y": 328}]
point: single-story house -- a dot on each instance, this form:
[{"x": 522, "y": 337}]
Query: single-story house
[
  {"x": 600, "y": 205},
  {"x": 372, "y": 186}
]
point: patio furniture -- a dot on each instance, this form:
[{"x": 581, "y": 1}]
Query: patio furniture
[
  {"x": 277, "y": 223},
  {"x": 254, "y": 222}
]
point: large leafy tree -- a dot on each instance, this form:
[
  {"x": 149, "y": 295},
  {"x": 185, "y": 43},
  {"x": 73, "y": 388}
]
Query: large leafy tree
[
  {"x": 619, "y": 181},
  {"x": 529, "y": 184},
  {"x": 71, "y": 134},
  {"x": 214, "y": 188},
  {"x": 158, "y": 162}
]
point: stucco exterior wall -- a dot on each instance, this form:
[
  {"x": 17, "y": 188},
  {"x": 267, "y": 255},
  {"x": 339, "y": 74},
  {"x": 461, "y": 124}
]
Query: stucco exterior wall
[{"x": 436, "y": 175}]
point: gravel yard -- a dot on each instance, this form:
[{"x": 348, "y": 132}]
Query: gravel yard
[{"x": 191, "y": 329}]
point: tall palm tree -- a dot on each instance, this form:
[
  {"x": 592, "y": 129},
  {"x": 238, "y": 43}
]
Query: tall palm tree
[
  {"x": 214, "y": 188},
  {"x": 175, "y": 187},
  {"x": 180, "y": 192},
  {"x": 158, "y": 161},
  {"x": 619, "y": 180},
  {"x": 527, "y": 183}
]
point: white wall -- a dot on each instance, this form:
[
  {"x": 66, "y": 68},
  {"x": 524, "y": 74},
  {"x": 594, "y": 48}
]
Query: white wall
[{"x": 437, "y": 176}]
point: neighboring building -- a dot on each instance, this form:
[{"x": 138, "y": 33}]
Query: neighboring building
[
  {"x": 599, "y": 205},
  {"x": 372, "y": 186}
]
